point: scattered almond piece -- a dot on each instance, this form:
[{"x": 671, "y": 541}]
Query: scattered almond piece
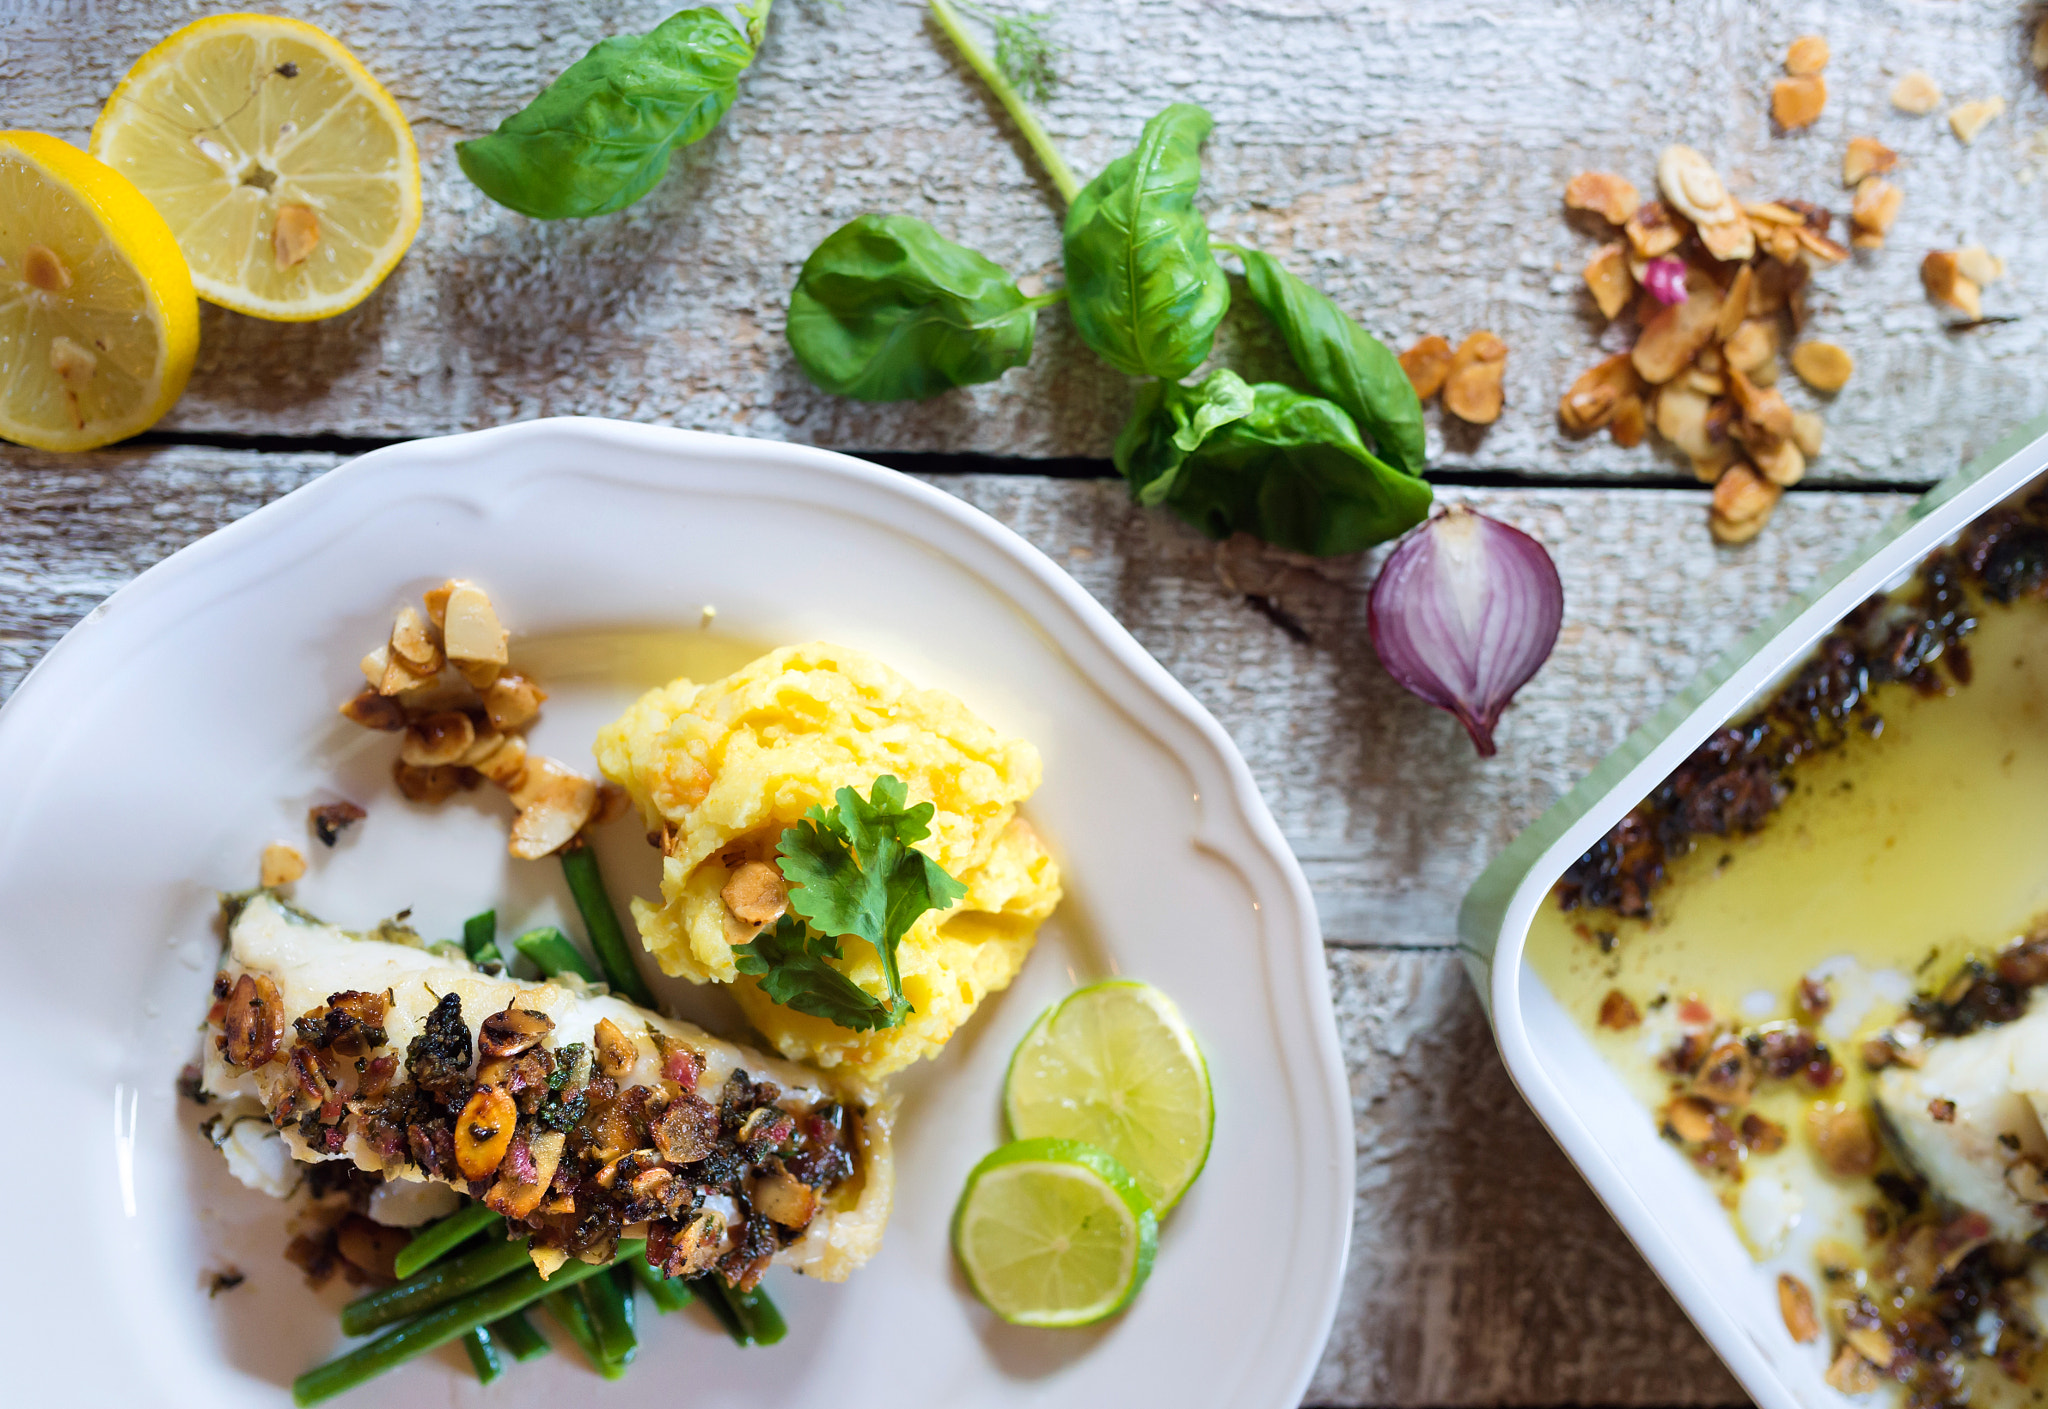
[
  {"x": 1797, "y": 102},
  {"x": 294, "y": 235},
  {"x": 1735, "y": 306},
  {"x": 1652, "y": 231},
  {"x": 374, "y": 711},
  {"x": 438, "y": 739},
  {"x": 1851, "y": 1373},
  {"x": 1966, "y": 120},
  {"x": 1946, "y": 283},
  {"x": 1866, "y": 157},
  {"x": 1428, "y": 362},
  {"x": 1742, "y": 494},
  {"x": 411, "y": 640},
  {"x": 1807, "y": 431},
  {"x": 1778, "y": 460},
  {"x": 1611, "y": 197},
  {"x": 1822, "y": 365},
  {"x": 281, "y": 865},
  {"x": 1820, "y": 246},
  {"x": 1591, "y": 401},
  {"x": 1808, "y": 54},
  {"x": 1607, "y": 276},
  {"x": 1618, "y": 1011},
  {"x": 1670, "y": 338},
  {"x": 1472, "y": 387},
  {"x": 1629, "y": 422},
  {"x": 1695, "y": 190},
  {"x": 471, "y": 632},
  {"x": 1795, "y": 1304},
  {"x": 426, "y": 784},
  {"x": 1682, "y": 420},
  {"x": 512, "y": 702},
  {"x": 1979, "y": 265},
  {"x": 1917, "y": 94},
  {"x": 553, "y": 804},
  {"x": 1755, "y": 343},
  {"x": 1877, "y": 206},
  {"x": 1844, "y": 1140}
]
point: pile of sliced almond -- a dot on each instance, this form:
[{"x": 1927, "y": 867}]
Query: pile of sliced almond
[
  {"x": 444, "y": 680},
  {"x": 1703, "y": 368},
  {"x": 1469, "y": 378}
]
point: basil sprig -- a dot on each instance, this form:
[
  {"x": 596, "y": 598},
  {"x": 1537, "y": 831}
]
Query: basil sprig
[
  {"x": 1146, "y": 293},
  {"x": 1268, "y": 460},
  {"x": 599, "y": 137},
  {"x": 888, "y": 309}
]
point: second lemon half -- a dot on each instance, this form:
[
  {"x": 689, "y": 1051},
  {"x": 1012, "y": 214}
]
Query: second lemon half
[{"x": 286, "y": 171}]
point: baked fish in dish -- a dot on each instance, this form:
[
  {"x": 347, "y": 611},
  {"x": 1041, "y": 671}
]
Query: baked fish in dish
[{"x": 580, "y": 1117}]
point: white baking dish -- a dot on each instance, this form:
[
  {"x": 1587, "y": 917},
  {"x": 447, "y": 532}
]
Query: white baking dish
[{"x": 1670, "y": 1213}]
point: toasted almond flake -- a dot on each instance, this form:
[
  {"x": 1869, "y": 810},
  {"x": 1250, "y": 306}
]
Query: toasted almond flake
[
  {"x": 1820, "y": 246},
  {"x": 375, "y": 664},
  {"x": 411, "y": 639},
  {"x": 294, "y": 235},
  {"x": 426, "y": 784},
  {"x": 1628, "y": 423},
  {"x": 554, "y": 803},
  {"x": 374, "y": 711},
  {"x": 444, "y": 738},
  {"x": 479, "y": 675},
  {"x": 1708, "y": 469},
  {"x": 1916, "y": 93},
  {"x": 1872, "y": 1344},
  {"x": 401, "y": 676},
  {"x": 472, "y": 631},
  {"x": 1966, "y": 120},
  {"x": 1472, "y": 387},
  {"x": 1692, "y": 187},
  {"x": 1773, "y": 213},
  {"x": 1979, "y": 265},
  {"x": 1765, "y": 373},
  {"x": 1729, "y": 239},
  {"x": 1946, "y": 283},
  {"x": 512, "y": 702},
  {"x": 1764, "y": 412},
  {"x": 1754, "y": 344},
  {"x": 1700, "y": 380},
  {"x": 1682, "y": 420},
  {"x": 1607, "y": 276},
  {"x": 1669, "y": 339},
  {"x": 505, "y": 764},
  {"x": 1851, "y": 1373},
  {"x": 1797, "y": 102},
  {"x": 1866, "y": 157},
  {"x": 1877, "y": 206},
  {"x": 281, "y": 865},
  {"x": 1591, "y": 401},
  {"x": 1735, "y": 305},
  {"x": 1779, "y": 461},
  {"x": 1731, "y": 532},
  {"x": 1808, "y": 54},
  {"x": 1611, "y": 197},
  {"x": 1822, "y": 365},
  {"x": 1807, "y": 432},
  {"x": 435, "y": 599},
  {"x": 1653, "y": 231},
  {"x": 1843, "y": 1138},
  {"x": 1742, "y": 493},
  {"x": 1781, "y": 242},
  {"x": 1429, "y": 362},
  {"x": 1795, "y": 1304}
]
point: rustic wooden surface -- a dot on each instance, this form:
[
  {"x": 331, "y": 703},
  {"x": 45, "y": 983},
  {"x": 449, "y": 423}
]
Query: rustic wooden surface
[{"x": 1408, "y": 156}]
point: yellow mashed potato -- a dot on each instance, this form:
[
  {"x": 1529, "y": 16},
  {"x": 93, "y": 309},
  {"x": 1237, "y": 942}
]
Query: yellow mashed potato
[{"x": 721, "y": 769}]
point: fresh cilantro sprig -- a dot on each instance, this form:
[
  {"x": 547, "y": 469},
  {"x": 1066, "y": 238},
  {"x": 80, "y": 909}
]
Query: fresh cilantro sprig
[{"x": 852, "y": 871}]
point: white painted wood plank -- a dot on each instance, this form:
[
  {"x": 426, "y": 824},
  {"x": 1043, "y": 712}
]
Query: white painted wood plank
[{"x": 1408, "y": 156}]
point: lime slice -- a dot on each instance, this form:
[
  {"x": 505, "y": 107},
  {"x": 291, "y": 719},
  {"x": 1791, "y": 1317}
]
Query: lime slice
[
  {"x": 1115, "y": 1066},
  {"x": 1054, "y": 1233}
]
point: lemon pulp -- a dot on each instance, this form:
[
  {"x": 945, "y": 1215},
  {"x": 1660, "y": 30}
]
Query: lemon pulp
[
  {"x": 98, "y": 323},
  {"x": 287, "y": 172}
]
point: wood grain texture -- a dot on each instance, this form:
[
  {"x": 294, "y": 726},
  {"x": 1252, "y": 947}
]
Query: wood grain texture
[{"x": 1407, "y": 156}]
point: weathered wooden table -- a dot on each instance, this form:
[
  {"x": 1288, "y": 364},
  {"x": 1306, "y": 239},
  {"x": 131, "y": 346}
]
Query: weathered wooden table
[{"x": 1409, "y": 156}]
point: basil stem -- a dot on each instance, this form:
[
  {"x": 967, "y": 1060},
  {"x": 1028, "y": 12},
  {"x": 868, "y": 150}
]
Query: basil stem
[{"x": 1039, "y": 140}]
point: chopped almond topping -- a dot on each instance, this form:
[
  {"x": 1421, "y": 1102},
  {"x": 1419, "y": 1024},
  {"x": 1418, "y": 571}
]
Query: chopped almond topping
[
  {"x": 1877, "y": 206},
  {"x": 1608, "y": 276},
  {"x": 1605, "y": 194},
  {"x": 426, "y": 784},
  {"x": 1472, "y": 387},
  {"x": 1618, "y": 1011},
  {"x": 1966, "y": 120},
  {"x": 374, "y": 711},
  {"x": 281, "y": 865},
  {"x": 1822, "y": 365},
  {"x": 471, "y": 631},
  {"x": 1797, "y": 102},
  {"x": 512, "y": 702},
  {"x": 1946, "y": 283},
  {"x": 1844, "y": 1140},
  {"x": 1808, "y": 54},
  {"x": 413, "y": 642},
  {"x": 1866, "y": 157},
  {"x": 1917, "y": 94},
  {"x": 506, "y": 763},
  {"x": 554, "y": 804},
  {"x": 1427, "y": 364},
  {"x": 1795, "y": 1304},
  {"x": 1872, "y": 1344},
  {"x": 293, "y": 237},
  {"x": 437, "y": 739}
]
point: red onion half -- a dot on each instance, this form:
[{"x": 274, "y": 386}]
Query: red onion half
[{"x": 1464, "y": 612}]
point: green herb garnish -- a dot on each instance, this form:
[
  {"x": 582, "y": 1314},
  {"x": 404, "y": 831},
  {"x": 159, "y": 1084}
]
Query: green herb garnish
[{"x": 852, "y": 871}]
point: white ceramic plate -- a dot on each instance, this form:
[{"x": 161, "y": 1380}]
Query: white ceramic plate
[{"x": 191, "y": 719}]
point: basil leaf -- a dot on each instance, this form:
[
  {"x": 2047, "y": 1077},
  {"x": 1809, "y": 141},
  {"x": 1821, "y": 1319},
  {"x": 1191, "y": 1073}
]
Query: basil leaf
[
  {"x": 1169, "y": 423},
  {"x": 1294, "y": 472},
  {"x": 1342, "y": 361},
  {"x": 1145, "y": 290},
  {"x": 598, "y": 138},
  {"x": 888, "y": 309}
]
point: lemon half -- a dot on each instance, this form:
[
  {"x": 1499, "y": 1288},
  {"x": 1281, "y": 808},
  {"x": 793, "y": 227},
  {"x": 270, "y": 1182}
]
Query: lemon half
[
  {"x": 98, "y": 323},
  {"x": 287, "y": 172}
]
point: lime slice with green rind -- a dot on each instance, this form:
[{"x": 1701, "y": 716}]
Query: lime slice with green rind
[
  {"x": 1115, "y": 1066},
  {"x": 1054, "y": 1233}
]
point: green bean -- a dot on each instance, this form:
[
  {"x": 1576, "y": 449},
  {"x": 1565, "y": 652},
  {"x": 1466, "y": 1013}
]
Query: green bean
[
  {"x": 437, "y": 1240},
  {"x": 552, "y": 954},
  {"x": 668, "y": 1294},
  {"x": 569, "y": 1308},
  {"x": 516, "y": 1336},
  {"x": 441, "y": 1325},
  {"x": 750, "y": 1318},
  {"x": 480, "y": 938},
  {"x": 442, "y": 1283},
  {"x": 612, "y": 1319},
  {"x": 483, "y": 1354},
  {"x": 601, "y": 924}
]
